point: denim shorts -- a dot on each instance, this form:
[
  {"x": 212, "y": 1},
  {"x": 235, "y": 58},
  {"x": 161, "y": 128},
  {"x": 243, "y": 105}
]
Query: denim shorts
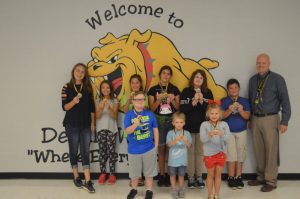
[{"x": 180, "y": 171}]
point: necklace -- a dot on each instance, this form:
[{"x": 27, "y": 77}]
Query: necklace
[
  {"x": 215, "y": 126},
  {"x": 182, "y": 132},
  {"x": 162, "y": 89},
  {"x": 79, "y": 94}
]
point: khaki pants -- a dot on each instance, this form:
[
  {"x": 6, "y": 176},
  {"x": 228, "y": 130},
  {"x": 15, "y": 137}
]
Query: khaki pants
[
  {"x": 266, "y": 147},
  {"x": 237, "y": 146},
  {"x": 195, "y": 156}
]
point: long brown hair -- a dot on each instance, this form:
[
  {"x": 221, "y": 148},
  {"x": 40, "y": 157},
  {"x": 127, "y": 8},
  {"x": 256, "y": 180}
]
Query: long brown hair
[
  {"x": 111, "y": 95},
  {"x": 203, "y": 74},
  {"x": 85, "y": 81},
  {"x": 139, "y": 78}
]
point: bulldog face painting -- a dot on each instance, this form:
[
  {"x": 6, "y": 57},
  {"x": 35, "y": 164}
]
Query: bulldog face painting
[{"x": 144, "y": 54}]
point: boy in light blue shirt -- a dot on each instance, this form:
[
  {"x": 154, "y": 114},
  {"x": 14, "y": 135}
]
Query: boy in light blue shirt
[{"x": 178, "y": 141}]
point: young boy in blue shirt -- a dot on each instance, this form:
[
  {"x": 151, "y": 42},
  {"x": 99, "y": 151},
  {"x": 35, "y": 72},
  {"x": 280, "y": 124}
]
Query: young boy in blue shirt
[
  {"x": 141, "y": 126},
  {"x": 236, "y": 113},
  {"x": 178, "y": 141}
]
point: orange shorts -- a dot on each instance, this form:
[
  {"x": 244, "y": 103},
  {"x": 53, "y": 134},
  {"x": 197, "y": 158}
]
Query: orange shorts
[{"x": 218, "y": 159}]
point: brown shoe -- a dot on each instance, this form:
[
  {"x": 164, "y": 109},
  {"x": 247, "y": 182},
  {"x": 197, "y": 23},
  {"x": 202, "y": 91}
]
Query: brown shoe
[
  {"x": 267, "y": 188},
  {"x": 255, "y": 183}
]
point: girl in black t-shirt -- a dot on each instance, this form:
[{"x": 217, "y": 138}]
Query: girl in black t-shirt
[
  {"x": 164, "y": 101},
  {"x": 77, "y": 101}
]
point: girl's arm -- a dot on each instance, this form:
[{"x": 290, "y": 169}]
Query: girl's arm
[
  {"x": 205, "y": 135},
  {"x": 114, "y": 110},
  {"x": 156, "y": 137},
  {"x": 176, "y": 102},
  {"x": 125, "y": 107},
  {"x": 153, "y": 104},
  {"x": 93, "y": 129},
  {"x": 99, "y": 109}
]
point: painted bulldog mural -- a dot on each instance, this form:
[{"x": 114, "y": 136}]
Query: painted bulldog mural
[{"x": 144, "y": 54}]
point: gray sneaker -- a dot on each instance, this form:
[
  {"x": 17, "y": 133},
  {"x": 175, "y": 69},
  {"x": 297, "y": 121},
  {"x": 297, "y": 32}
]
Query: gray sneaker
[
  {"x": 174, "y": 194},
  {"x": 181, "y": 193}
]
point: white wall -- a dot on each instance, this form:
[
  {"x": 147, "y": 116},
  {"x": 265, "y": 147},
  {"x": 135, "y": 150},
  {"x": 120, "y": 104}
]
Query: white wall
[{"x": 40, "y": 41}]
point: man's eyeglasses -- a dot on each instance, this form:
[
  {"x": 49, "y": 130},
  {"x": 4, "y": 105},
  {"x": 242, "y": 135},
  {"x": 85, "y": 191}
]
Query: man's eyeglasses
[{"x": 139, "y": 99}]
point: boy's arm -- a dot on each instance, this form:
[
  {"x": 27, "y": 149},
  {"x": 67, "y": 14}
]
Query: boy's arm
[{"x": 130, "y": 129}]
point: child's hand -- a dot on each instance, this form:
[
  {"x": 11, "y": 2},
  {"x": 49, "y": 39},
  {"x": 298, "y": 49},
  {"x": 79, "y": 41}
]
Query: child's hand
[
  {"x": 200, "y": 97},
  {"x": 101, "y": 105},
  {"x": 106, "y": 103},
  {"x": 184, "y": 138},
  {"x": 219, "y": 133},
  {"x": 76, "y": 99},
  {"x": 240, "y": 107},
  {"x": 171, "y": 97},
  {"x": 137, "y": 120},
  {"x": 231, "y": 107},
  {"x": 211, "y": 133},
  {"x": 158, "y": 96}
]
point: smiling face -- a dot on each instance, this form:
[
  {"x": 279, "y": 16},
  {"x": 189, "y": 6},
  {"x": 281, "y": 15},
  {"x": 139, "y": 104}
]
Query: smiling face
[
  {"x": 263, "y": 64},
  {"x": 165, "y": 76},
  {"x": 198, "y": 80},
  {"x": 214, "y": 114},
  {"x": 233, "y": 90},
  {"x": 78, "y": 74},
  {"x": 105, "y": 90},
  {"x": 138, "y": 102},
  {"x": 135, "y": 85}
]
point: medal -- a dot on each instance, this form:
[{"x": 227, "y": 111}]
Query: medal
[
  {"x": 79, "y": 94},
  {"x": 164, "y": 93},
  {"x": 198, "y": 90},
  {"x": 215, "y": 126}
]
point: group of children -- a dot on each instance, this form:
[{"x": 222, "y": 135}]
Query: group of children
[{"x": 175, "y": 136}]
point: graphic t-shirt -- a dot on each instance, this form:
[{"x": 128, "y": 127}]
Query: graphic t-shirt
[
  {"x": 165, "y": 107},
  {"x": 142, "y": 139},
  {"x": 178, "y": 152}
]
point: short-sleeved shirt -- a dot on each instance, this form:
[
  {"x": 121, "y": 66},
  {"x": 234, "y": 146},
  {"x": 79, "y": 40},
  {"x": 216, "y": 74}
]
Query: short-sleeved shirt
[
  {"x": 142, "y": 139},
  {"x": 165, "y": 107},
  {"x": 125, "y": 98},
  {"x": 106, "y": 122},
  {"x": 178, "y": 152},
  {"x": 235, "y": 121},
  {"x": 80, "y": 114}
]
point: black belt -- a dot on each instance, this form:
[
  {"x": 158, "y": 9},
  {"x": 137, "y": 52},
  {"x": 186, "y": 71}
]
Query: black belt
[{"x": 264, "y": 114}]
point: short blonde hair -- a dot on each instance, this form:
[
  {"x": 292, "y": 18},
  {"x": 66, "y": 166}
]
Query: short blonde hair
[
  {"x": 179, "y": 115},
  {"x": 214, "y": 106}
]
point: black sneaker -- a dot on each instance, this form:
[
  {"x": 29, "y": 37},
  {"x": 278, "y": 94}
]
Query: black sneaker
[
  {"x": 89, "y": 186},
  {"x": 231, "y": 182},
  {"x": 199, "y": 183},
  {"x": 149, "y": 194},
  {"x": 239, "y": 182},
  {"x": 78, "y": 183},
  {"x": 160, "y": 181},
  {"x": 191, "y": 184},
  {"x": 167, "y": 180},
  {"x": 132, "y": 194}
]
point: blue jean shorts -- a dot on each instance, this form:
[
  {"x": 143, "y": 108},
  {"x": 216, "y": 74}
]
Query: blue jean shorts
[{"x": 180, "y": 171}]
